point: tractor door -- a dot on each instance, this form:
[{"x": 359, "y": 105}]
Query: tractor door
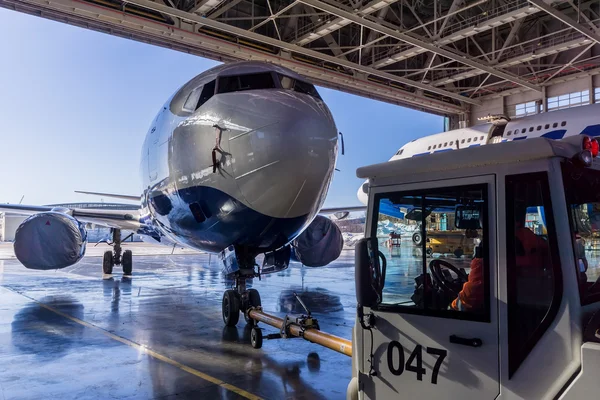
[{"x": 435, "y": 331}]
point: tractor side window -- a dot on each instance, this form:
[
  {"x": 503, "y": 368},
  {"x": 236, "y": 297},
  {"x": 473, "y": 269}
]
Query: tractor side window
[
  {"x": 534, "y": 284},
  {"x": 434, "y": 242},
  {"x": 583, "y": 206}
]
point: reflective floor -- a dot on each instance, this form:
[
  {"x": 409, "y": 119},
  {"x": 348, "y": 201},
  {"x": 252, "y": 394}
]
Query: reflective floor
[{"x": 70, "y": 334}]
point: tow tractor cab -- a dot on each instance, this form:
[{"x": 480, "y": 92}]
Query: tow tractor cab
[{"x": 513, "y": 314}]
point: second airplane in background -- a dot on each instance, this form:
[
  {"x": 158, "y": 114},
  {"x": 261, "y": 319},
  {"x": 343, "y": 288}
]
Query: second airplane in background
[{"x": 552, "y": 125}]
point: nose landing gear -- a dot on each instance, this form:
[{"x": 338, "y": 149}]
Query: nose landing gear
[
  {"x": 116, "y": 256},
  {"x": 239, "y": 300}
]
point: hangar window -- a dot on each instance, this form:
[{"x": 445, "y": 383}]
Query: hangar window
[
  {"x": 554, "y": 125},
  {"x": 237, "y": 83},
  {"x": 596, "y": 95},
  {"x": 568, "y": 100},
  {"x": 524, "y": 109},
  {"x": 457, "y": 214}
]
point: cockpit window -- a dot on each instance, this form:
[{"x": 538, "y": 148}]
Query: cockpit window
[
  {"x": 298, "y": 86},
  {"x": 237, "y": 83},
  {"x": 207, "y": 93},
  {"x": 199, "y": 96},
  {"x": 192, "y": 100},
  {"x": 306, "y": 88}
]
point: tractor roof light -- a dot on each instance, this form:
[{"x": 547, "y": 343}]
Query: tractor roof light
[{"x": 591, "y": 145}]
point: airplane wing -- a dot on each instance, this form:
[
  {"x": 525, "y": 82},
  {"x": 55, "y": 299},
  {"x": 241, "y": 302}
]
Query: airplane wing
[{"x": 120, "y": 219}]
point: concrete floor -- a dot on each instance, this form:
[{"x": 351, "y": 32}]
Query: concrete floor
[{"x": 69, "y": 334}]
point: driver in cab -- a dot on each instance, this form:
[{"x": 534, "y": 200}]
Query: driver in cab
[{"x": 470, "y": 298}]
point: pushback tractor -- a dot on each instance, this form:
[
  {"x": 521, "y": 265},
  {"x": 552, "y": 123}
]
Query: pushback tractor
[{"x": 513, "y": 317}]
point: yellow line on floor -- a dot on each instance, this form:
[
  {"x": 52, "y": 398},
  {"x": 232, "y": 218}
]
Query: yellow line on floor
[{"x": 146, "y": 350}]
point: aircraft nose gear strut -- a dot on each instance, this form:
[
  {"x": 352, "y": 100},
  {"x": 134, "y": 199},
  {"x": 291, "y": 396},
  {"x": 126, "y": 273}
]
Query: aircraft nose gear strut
[{"x": 117, "y": 256}]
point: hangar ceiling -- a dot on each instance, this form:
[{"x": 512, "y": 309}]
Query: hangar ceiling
[{"x": 440, "y": 56}]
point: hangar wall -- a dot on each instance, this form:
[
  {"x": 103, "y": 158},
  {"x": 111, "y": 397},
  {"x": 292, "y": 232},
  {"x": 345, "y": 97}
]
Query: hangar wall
[{"x": 508, "y": 104}]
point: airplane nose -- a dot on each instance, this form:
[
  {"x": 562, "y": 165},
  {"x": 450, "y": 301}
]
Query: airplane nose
[{"x": 289, "y": 161}]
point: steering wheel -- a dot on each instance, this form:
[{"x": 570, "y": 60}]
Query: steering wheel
[{"x": 436, "y": 271}]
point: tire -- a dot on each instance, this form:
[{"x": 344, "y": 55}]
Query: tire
[
  {"x": 256, "y": 339},
  {"x": 417, "y": 238},
  {"x": 107, "y": 263},
  {"x": 127, "y": 262},
  {"x": 230, "y": 308},
  {"x": 253, "y": 301}
]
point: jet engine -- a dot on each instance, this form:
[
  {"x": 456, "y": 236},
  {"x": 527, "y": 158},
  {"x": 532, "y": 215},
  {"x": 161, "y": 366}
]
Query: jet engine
[
  {"x": 319, "y": 244},
  {"x": 50, "y": 240}
]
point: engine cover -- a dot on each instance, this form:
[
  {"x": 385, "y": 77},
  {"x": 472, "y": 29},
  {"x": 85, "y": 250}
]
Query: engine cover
[
  {"x": 50, "y": 240},
  {"x": 320, "y": 244}
]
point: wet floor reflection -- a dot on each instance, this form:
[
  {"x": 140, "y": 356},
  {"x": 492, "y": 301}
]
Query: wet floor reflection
[
  {"x": 317, "y": 300},
  {"x": 173, "y": 306},
  {"x": 37, "y": 331}
]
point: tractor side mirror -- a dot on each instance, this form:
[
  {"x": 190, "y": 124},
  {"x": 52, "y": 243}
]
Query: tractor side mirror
[{"x": 368, "y": 276}]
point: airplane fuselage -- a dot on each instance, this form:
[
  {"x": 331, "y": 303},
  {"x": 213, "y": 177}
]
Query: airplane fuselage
[{"x": 238, "y": 156}]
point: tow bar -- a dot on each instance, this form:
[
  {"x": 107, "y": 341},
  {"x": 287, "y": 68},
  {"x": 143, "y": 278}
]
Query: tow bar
[{"x": 304, "y": 326}]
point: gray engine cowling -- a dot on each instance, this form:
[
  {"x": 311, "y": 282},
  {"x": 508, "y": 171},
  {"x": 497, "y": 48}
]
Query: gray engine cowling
[
  {"x": 50, "y": 240},
  {"x": 320, "y": 244}
]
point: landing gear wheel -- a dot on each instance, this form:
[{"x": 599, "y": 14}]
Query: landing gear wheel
[
  {"x": 230, "y": 308},
  {"x": 127, "y": 262},
  {"x": 253, "y": 301},
  {"x": 256, "y": 338},
  {"x": 107, "y": 262},
  {"x": 417, "y": 238}
]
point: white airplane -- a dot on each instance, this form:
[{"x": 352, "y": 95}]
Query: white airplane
[
  {"x": 582, "y": 120},
  {"x": 238, "y": 162}
]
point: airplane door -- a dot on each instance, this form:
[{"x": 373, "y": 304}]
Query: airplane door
[{"x": 435, "y": 332}]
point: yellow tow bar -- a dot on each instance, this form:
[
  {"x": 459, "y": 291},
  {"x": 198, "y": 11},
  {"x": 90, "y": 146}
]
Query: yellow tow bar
[{"x": 305, "y": 327}]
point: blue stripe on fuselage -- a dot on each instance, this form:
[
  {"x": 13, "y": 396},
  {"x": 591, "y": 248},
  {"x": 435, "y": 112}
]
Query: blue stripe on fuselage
[
  {"x": 556, "y": 135},
  {"x": 592, "y": 130},
  {"x": 227, "y": 221}
]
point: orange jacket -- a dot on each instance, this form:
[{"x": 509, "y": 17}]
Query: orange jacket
[
  {"x": 536, "y": 249},
  {"x": 471, "y": 295}
]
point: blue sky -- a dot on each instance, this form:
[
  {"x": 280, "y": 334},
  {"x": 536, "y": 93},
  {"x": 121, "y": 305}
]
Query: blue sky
[{"x": 76, "y": 105}]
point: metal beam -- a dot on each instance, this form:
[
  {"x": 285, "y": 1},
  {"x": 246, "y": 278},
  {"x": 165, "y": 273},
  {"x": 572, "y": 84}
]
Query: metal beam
[
  {"x": 151, "y": 5},
  {"x": 322, "y": 30},
  {"x": 220, "y": 11},
  {"x": 422, "y": 43},
  {"x": 565, "y": 19},
  {"x": 188, "y": 40}
]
